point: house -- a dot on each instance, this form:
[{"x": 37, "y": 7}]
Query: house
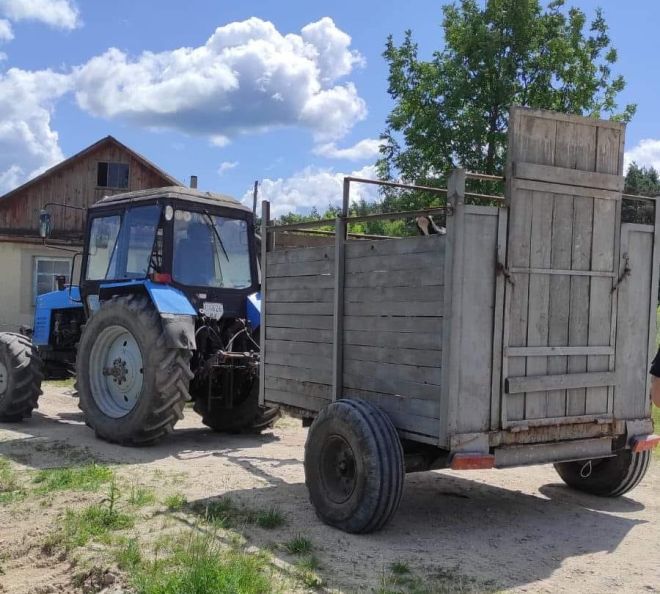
[{"x": 28, "y": 267}]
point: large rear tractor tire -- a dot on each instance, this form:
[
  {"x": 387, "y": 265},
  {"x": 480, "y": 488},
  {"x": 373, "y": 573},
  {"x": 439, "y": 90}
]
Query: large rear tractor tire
[
  {"x": 132, "y": 386},
  {"x": 245, "y": 417},
  {"x": 606, "y": 477},
  {"x": 20, "y": 377},
  {"x": 354, "y": 466}
]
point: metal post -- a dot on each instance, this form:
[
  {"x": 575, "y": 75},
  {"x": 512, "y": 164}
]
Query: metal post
[
  {"x": 338, "y": 310},
  {"x": 255, "y": 193},
  {"x": 265, "y": 240}
]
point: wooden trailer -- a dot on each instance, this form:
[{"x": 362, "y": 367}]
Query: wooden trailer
[{"x": 522, "y": 336}]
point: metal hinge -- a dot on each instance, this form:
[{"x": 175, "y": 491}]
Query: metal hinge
[
  {"x": 625, "y": 274},
  {"x": 504, "y": 271}
]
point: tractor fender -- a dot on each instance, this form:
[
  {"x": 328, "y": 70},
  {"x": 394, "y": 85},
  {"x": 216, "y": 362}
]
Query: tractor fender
[
  {"x": 176, "y": 312},
  {"x": 254, "y": 310}
]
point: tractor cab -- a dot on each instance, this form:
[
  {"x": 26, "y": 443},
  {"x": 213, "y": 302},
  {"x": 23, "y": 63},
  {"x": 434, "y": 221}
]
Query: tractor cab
[{"x": 200, "y": 245}]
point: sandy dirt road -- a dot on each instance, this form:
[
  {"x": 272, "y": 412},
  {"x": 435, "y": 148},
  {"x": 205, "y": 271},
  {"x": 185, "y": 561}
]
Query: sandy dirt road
[{"x": 518, "y": 530}]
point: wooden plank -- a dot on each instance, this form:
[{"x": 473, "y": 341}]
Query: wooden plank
[
  {"x": 301, "y": 296},
  {"x": 302, "y": 309},
  {"x": 384, "y": 354},
  {"x": 307, "y": 361},
  {"x": 554, "y": 188},
  {"x": 498, "y": 324},
  {"x": 308, "y": 389},
  {"x": 299, "y": 335},
  {"x": 263, "y": 349},
  {"x": 410, "y": 324},
  {"x": 542, "y": 383},
  {"x": 418, "y": 277},
  {"x": 527, "y": 112},
  {"x": 299, "y": 255},
  {"x": 392, "y": 385},
  {"x": 563, "y": 272},
  {"x": 578, "y": 327},
  {"x": 300, "y": 401},
  {"x": 391, "y": 247},
  {"x": 539, "y": 297},
  {"x": 428, "y": 259},
  {"x": 393, "y": 371},
  {"x": 322, "y": 281},
  {"x": 394, "y": 294},
  {"x": 558, "y": 351},
  {"x": 299, "y": 321},
  {"x": 338, "y": 301},
  {"x": 289, "y": 347},
  {"x": 399, "y": 340},
  {"x": 566, "y": 176},
  {"x": 288, "y": 269},
  {"x": 417, "y": 309},
  {"x": 560, "y": 289},
  {"x": 299, "y": 374}
]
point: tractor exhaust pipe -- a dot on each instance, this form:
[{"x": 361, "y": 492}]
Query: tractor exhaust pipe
[{"x": 193, "y": 182}]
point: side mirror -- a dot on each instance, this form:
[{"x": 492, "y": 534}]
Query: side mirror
[{"x": 45, "y": 224}]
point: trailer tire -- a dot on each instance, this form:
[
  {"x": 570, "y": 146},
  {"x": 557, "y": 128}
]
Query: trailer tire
[
  {"x": 354, "y": 466},
  {"x": 246, "y": 417},
  {"x": 132, "y": 387},
  {"x": 606, "y": 477},
  {"x": 21, "y": 374}
]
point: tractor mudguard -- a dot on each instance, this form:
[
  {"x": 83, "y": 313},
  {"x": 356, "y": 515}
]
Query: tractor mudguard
[
  {"x": 46, "y": 304},
  {"x": 176, "y": 312}
]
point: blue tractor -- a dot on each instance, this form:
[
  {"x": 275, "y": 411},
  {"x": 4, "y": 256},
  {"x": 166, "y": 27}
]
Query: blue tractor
[{"x": 167, "y": 311}]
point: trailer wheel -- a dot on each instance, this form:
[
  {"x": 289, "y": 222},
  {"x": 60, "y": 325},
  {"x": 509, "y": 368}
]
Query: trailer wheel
[
  {"x": 20, "y": 377},
  {"x": 132, "y": 387},
  {"x": 246, "y": 417},
  {"x": 354, "y": 466},
  {"x": 606, "y": 477}
]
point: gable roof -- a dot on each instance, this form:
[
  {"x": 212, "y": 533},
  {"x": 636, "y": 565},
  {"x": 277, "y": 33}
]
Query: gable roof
[{"x": 170, "y": 181}]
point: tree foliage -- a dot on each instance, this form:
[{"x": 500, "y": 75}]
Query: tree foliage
[
  {"x": 453, "y": 109},
  {"x": 640, "y": 181}
]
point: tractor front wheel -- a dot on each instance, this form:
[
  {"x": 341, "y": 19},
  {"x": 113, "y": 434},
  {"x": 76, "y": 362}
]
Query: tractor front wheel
[
  {"x": 132, "y": 386},
  {"x": 20, "y": 377}
]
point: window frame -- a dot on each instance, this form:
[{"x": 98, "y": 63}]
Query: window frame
[
  {"x": 108, "y": 165},
  {"x": 36, "y": 273}
]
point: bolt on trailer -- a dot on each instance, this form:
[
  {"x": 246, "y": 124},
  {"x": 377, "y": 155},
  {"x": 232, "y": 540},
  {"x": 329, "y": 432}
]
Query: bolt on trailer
[{"x": 521, "y": 336}]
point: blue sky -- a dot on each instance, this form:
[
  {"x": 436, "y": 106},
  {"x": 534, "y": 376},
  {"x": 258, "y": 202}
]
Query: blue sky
[{"x": 319, "y": 66}]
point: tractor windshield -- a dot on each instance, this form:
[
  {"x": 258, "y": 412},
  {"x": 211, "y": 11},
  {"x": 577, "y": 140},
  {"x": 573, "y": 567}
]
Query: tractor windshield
[{"x": 211, "y": 251}]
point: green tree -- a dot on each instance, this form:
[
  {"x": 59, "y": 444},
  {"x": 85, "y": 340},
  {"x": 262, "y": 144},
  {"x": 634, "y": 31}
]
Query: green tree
[
  {"x": 452, "y": 109},
  {"x": 640, "y": 181}
]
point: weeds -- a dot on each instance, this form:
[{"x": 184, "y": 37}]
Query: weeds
[
  {"x": 10, "y": 488},
  {"x": 401, "y": 580},
  {"x": 82, "y": 478},
  {"x": 141, "y": 496},
  {"x": 269, "y": 519},
  {"x": 200, "y": 566},
  {"x": 128, "y": 555},
  {"x": 399, "y": 568},
  {"x": 299, "y": 545},
  {"x": 175, "y": 502}
]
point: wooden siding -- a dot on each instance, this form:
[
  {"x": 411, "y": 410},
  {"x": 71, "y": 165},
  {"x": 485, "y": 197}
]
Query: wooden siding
[
  {"x": 392, "y": 327},
  {"x": 564, "y": 193},
  {"x": 74, "y": 183}
]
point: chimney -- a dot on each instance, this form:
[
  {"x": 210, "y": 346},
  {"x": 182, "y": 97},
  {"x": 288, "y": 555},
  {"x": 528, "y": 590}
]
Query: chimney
[{"x": 193, "y": 181}]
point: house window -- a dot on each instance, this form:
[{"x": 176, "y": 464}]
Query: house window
[
  {"x": 46, "y": 271},
  {"x": 112, "y": 175}
]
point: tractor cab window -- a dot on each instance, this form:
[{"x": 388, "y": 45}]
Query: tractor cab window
[
  {"x": 122, "y": 251},
  {"x": 211, "y": 251}
]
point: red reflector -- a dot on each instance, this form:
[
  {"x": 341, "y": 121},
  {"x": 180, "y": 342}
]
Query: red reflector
[
  {"x": 467, "y": 461},
  {"x": 642, "y": 443},
  {"x": 161, "y": 277}
]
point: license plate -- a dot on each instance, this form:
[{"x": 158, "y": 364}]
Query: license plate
[{"x": 212, "y": 310}]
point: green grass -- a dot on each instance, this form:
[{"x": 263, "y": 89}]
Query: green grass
[
  {"x": 306, "y": 571},
  {"x": 299, "y": 545},
  {"x": 444, "y": 581},
  {"x": 224, "y": 513},
  {"x": 141, "y": 496},
  {"x": 65, "y": 383},
  {"x": 201, "y": 566},
  {"x": 10, "y": 488},
  {"x": 175, "y": 502},
  {"x": 79, "y": 478},
  {"x": 128, "y": 554},
  {"x": 399, "y": 568},
  {"x": 269, "y": 518},
  {"x": 94, "y": 522}
]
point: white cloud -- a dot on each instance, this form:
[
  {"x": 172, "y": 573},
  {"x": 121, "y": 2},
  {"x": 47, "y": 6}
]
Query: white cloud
[
  {"x": 369, "y": 148},
  {"x": 28, "y": 144},
  {"x": 312, "y": 187},
  {"x": 227, "y": 166},
  {"x": 62, "y": 14},
  {"x": 6, "y": 32},
  {"x": 646, "y": 153},
  {"x": 247, "y": 77}
]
